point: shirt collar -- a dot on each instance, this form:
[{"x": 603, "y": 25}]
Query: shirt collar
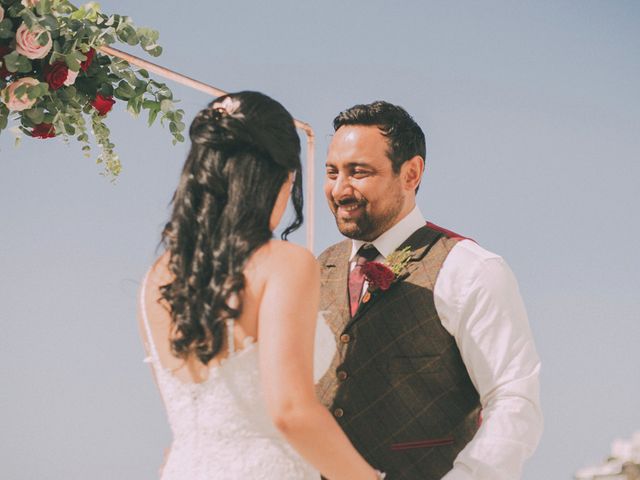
[{"x": 393, "y": 238}]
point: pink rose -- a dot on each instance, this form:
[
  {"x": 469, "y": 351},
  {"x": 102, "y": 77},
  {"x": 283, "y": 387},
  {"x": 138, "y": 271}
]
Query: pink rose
[
  {"x": 71, "y": 78},
  {"x": 24, "y": 102},
  {"x": 30, "y": 3},
  {"x": 1, "y": 13},
  {"x": 27, "y": 42}
]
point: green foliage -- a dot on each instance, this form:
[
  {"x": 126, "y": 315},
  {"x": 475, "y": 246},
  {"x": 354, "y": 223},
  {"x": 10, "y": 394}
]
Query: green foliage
[
  {"x": 17, "y": 63},
  {"x": 74, "y": 31},
  {"x": 6, "y": 28},
  {"x": 4, "y": 116},
  {"x": 398, "y": 260}
]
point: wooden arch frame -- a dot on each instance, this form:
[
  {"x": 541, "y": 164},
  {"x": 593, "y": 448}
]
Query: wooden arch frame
[{"x": 216, "y": 92}]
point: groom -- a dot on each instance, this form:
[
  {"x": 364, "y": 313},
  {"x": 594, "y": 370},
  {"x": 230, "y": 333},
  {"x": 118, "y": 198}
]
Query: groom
[{"x": 436, "y": 374}]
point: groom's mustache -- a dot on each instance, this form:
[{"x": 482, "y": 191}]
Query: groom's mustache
[{"x": 349, "y": 201}]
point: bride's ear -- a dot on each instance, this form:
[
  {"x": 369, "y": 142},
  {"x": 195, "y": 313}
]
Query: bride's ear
[{"x": 281, "y": 202}]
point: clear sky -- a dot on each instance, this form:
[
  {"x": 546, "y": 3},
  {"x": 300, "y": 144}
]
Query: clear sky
[{"x": 531, "y": 111}]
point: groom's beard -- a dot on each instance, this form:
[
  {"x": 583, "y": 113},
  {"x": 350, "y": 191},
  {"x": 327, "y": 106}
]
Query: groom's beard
[{"x": 366, "y": 224}]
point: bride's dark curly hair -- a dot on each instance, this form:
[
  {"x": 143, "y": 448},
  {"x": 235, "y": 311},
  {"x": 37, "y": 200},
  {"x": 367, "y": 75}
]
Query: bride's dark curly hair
[{"x": 240, "y": 157}]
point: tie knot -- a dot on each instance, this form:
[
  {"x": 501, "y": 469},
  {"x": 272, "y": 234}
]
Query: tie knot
[{"x": 366, "y": 253}]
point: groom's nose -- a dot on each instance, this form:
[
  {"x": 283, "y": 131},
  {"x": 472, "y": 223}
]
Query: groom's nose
[{"x": 341, "y": 187}]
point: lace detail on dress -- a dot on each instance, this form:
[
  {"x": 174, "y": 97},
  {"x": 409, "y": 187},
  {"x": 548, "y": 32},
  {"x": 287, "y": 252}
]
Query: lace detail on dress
[{"x": 221, "y": 427}]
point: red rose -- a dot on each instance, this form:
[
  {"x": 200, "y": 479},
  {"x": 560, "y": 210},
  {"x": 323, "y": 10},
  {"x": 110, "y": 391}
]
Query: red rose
[
  {"x": 85, "y": 65},
  {"x": 378, "y": 275},
  {"x": 4, "y": 73},
  {"x": 43, "y": 130},
  {"x": 56, "y": 74},
  {"x": 103, "y": 104}
]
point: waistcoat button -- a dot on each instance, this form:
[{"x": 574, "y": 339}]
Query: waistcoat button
[
  {"x": 338, "y": 412},
  {"x": 342, "y": 375},
  {"x": 345, "y": 338}
]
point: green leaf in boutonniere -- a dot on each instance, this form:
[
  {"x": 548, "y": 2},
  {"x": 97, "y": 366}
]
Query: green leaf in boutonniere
[{"x": 398, "y": 260}]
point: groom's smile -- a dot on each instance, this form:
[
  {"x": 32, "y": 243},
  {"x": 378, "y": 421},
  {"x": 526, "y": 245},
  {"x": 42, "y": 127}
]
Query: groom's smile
[
  {"x": 364, "y": 193},
  {"x": 350, "y": 208}
]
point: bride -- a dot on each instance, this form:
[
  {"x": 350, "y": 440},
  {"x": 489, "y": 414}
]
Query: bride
[{"x": 228, "y": 314}]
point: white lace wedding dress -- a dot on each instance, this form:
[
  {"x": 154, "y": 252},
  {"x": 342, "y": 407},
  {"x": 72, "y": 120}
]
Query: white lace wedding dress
[{"x": 221, "y": 428}]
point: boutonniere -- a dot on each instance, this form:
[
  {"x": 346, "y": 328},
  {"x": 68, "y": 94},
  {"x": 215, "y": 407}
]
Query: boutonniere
[{"x": 381, "y": 275}]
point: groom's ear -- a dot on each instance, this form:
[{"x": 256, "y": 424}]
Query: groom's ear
[{"x": 411, "y": 173}]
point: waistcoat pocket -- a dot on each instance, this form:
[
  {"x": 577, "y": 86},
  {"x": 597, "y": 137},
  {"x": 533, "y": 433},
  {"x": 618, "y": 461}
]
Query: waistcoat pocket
[{"x": 426, "y": 443}]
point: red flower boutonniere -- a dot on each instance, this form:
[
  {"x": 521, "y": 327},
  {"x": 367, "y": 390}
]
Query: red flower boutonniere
[{"x": 381, "y": 276}]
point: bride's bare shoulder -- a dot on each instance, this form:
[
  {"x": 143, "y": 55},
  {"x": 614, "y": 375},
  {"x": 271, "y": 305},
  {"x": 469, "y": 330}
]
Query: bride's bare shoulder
[
  {"x": 278, "y": 256},
  {"x": 159, "y": 273}
]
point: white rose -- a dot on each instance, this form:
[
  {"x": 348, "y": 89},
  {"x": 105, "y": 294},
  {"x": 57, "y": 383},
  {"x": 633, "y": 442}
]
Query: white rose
[
  {"x": 24, "y": 102},
  {"x": 27, "y": 42},
  {"x": 30, "y": 3},
  {"x": 71, "y": 78}
]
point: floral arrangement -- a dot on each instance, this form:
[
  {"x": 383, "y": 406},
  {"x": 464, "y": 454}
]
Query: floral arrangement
[
  {"x": 55, "y": 82},
  {"x": 380, "y": 276}
]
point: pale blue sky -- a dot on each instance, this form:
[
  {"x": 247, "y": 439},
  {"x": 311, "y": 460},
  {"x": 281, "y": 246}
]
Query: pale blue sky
[{"x": 531, "y": 111}]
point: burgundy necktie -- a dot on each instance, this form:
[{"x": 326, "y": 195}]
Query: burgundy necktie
[{"x": 366, "y": 253}]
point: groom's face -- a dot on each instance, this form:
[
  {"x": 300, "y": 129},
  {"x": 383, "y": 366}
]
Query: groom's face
[{"x": 364, "y": 193}]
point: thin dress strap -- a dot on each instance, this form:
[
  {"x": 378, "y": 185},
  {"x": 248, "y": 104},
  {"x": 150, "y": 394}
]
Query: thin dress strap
[
  {"x": 152, "y": 347},
  {"x": 230, "y": 340}
]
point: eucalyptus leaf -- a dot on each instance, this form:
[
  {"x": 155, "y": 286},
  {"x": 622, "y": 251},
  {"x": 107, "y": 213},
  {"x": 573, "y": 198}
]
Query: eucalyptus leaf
[
  {"x": 153, "y": 114},
  {"x": 49, "y": 22},
  {"x": 166, "y": 105},
  {"x": 36, "y": 115},
  {"x": 33, "y": 92},
  {"x": 29, "y": 20},
  {"x": 4, "y": 117},
  {"x": 43, "y": 7},
  {"x": 123, "y": 91},
  {"x": 44, "y": 38},
  {"x": 6, "y": 28},
  {"x": 12, "y": 61},
  {"x": 20, "y": 91},
  {"x": 155, "y": 52}
]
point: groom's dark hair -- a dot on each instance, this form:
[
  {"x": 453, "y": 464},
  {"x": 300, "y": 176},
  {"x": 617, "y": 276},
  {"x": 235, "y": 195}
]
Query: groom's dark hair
[{"x": 404, "y": 135}]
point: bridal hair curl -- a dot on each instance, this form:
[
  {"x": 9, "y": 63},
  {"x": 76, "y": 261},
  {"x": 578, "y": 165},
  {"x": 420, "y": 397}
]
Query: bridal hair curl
[{"x": 243, "y": 148}]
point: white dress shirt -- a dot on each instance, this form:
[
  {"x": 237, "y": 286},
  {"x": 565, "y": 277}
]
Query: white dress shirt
[{"x": 479, "y": 304}]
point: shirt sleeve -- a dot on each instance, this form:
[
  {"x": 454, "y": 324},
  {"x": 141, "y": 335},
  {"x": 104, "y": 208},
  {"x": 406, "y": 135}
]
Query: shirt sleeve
[{"x": 479, "y": 303}]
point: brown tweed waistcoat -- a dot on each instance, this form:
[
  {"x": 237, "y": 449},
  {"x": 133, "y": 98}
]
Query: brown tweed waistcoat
[{"x": 397, "y": 385}]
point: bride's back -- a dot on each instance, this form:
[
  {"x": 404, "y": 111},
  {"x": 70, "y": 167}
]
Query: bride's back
[
  {"x": 245, "y": 328},
  {"x": 217, "y": 412}
]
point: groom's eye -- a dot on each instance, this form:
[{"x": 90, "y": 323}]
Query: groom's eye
[
  {"x": 359, "y": 173},
  {"x": 332, "y": 174}
]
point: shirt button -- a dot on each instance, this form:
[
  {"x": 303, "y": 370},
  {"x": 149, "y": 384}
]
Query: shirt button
[
  {"x": 342, "y": 375},
  {"x": 338, "y": 412},
  {"x": 345, "y": 338}
]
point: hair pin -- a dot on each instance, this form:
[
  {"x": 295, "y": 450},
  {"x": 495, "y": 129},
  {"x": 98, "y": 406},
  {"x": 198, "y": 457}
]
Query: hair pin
[{"x": 227, "y": 106}]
